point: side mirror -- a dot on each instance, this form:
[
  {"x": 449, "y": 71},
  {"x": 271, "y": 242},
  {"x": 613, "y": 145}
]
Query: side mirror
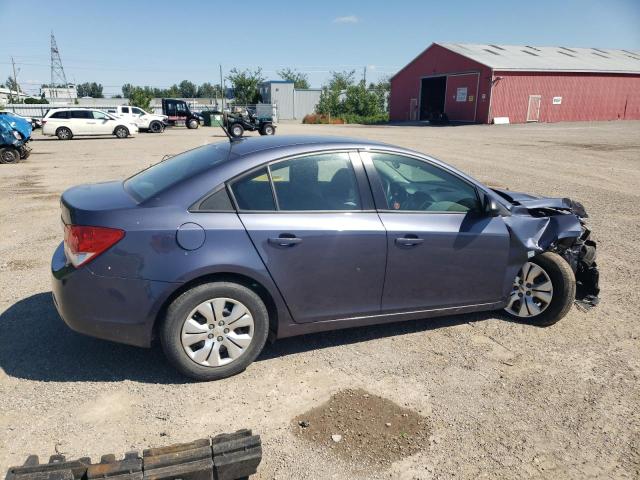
[{"x": 491, "y": 207}]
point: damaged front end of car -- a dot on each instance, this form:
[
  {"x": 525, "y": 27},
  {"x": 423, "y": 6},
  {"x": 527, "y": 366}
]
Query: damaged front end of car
[{"x": 556, "y": 225}]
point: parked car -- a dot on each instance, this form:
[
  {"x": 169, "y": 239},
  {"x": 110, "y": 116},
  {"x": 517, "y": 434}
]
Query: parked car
[
  {"x": 66, "y": 123},
  {"x": 145, "y": 121},
  {"x": 217, "y": 248},
  {"x": 179, "y": 113},
  {"x": 15, "y": 134},
  {"x": 35, "y": 122}
]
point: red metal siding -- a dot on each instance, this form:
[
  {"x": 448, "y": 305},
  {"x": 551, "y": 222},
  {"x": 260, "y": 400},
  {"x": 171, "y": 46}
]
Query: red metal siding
[
  {"x": 458, "y": 109},
  {"x": 584, "y": 96},
  {"x": 436, "y": 60}
]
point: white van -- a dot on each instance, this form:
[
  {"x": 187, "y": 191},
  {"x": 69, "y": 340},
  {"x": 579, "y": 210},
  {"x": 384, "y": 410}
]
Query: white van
[{"x": 66, "y": 123}]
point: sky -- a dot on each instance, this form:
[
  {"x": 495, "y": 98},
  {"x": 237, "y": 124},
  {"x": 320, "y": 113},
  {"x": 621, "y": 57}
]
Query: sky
[{"x": 160, "y": 43}]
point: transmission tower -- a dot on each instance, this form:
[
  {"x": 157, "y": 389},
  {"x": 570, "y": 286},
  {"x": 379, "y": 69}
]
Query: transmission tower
[{"x": 58, "y": 76}]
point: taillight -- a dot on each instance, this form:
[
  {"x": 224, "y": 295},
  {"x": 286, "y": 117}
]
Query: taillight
[{"x": 83, "y": 243}]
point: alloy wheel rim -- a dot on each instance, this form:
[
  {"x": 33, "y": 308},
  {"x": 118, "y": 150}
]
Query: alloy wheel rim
[
  {"x": 532, "y": 292},
  {"x": 217, "y": 332}
]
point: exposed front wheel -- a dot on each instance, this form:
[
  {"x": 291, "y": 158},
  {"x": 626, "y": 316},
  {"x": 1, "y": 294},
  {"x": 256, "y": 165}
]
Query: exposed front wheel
[
  {"x": 9, "y": 155},
  {"x": 192, "y": 124},
  {"x": 543, "y": 291},
  {"x": 214, "y": 330},
  {"x": 121, "y": 132},
  {"x": 267, "y": 129},
  {"x": 156, "y": 127}
]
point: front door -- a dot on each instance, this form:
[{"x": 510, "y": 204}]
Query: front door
[
  {"x": 305, "y": 217},
  {"x": 102, "y": 124},
  {"x": 533, "y": 111},
  {"x": 442, "y": 252}
]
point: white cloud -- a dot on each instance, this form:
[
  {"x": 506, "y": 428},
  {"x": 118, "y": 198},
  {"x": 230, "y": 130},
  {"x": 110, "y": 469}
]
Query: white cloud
[{"x": 346, "y": 19}]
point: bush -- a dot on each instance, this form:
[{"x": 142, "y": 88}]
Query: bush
[
  {"x": 317, "y": 118},
  {"x": 36, "y": 101}
]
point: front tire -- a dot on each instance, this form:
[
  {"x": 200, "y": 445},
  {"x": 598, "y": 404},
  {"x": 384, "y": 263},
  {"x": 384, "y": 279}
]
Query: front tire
[
  {"x": 121, "y": 132},
  {"x": 192, "y": 124},
  {"x": 156, "y": 127},
  {"x": 9, "y": 155},
  {"x": 543, "y": 291},
  {"x": 214, "y": 330},
  {"x": 267, "y": 129}
]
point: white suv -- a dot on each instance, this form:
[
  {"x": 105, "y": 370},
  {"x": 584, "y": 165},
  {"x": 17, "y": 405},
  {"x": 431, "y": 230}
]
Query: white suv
[{"x": 66, "y": 123}]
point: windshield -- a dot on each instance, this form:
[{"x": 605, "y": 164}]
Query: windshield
[{"x": 163, "y": 175}]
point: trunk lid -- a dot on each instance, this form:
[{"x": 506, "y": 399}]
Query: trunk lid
[{"x": 93, "y": 204}]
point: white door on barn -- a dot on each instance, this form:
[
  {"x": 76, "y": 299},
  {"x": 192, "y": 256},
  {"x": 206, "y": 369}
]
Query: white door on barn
[
  {"x": 413, "y": 109},
  {"x": 533, "y": 112}
]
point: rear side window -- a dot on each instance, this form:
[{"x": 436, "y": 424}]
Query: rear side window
[
  {"x": 163, "y": 175},
  {"x": 125, "y": 109},
  {"x": 253, "y": 191},
  {"x": 80, "y": 114},
  {"x": 64, "y": 114},
  {"x": 317, "y": 182}
]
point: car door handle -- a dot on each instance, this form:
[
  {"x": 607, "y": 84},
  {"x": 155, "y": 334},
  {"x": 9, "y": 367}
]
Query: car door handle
[
  {"x": 285, "y": 241},
  {"x": 409, "y": 241}
]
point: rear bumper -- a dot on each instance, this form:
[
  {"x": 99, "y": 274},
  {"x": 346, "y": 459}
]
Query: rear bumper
[{"x": 121, "y": 310}]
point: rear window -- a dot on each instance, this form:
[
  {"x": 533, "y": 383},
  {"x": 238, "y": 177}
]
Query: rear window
[{"x": 163, "y": 175}]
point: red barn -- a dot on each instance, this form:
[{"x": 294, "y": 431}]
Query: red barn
[{"x": 487, "y": 83}]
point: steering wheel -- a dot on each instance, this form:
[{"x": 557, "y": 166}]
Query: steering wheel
[{"x": 420, "y": 201}]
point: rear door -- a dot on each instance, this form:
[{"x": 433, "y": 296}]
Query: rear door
[
  {"x": 442, "y": 252},
  {"x": 311, "y": 218}
]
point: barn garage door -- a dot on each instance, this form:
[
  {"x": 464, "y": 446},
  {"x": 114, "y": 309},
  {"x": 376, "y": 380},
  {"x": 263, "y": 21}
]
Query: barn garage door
[{"x": 462, "y": 97}]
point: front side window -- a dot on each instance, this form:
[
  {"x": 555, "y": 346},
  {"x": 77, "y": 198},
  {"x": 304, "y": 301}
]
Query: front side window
[
  {"x": 137, "y": 111},
  {"x": 317, "y": 182},
  {"x": 410, "y": 184},
  {"x": 99, "y": 115}
]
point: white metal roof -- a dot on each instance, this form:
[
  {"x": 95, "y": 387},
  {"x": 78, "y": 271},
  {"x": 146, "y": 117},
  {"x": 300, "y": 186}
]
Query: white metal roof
[{"x": 549, "y": 59}]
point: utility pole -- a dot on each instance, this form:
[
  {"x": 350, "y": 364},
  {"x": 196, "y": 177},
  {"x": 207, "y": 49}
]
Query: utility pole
[
  {"x": 57, "y": 71},
  {"x": 222, "y": 86},
  {"x": 15, "y": 82},
  {"x": 364, "y": 75}
]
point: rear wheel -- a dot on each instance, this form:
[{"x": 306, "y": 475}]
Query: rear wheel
[
  {"x": 9, "y": 155},
  {"x": 156, "y": 127},
  {"x": 267, "y": 129},
  {"x": 543, "y": 291},
  {"x": 63, "y": 133},
  {"x": 121, "y": 132},
  {"x": 192, "y": 124},
  {"x": 236, "y": 130},
  {"x": 214, "y": 330}
]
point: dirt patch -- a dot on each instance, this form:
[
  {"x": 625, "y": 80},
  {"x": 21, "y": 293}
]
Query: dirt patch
[
  {"x": 18, "y": 265},
  {"x": 364, "y": 428}
]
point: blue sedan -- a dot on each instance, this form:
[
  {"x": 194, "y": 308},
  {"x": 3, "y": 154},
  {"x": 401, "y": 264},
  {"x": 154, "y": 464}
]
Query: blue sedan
[{"x": 218, "y": 248}]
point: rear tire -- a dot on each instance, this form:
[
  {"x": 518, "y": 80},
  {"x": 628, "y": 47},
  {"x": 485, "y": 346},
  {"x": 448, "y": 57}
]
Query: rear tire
[
  {"x": 196, "y": 345},
  {"x": 9, "y": 155},
  {"x": 156, "y": 127},
  {"x": 63, "y": 133},
  {"x": 121, "y": 132},
  {"x": 555, "y": 269},
  {"x": 236, "y": 130},
  {"x": 192, "y": 124}
]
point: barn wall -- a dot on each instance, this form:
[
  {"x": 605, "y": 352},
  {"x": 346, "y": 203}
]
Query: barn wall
[
  {"x": 584, "y": 96},
  {"x": 436, "y": 60}
]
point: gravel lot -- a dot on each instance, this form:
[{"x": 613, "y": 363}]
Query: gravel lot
[{"x": 502, "y": 399}]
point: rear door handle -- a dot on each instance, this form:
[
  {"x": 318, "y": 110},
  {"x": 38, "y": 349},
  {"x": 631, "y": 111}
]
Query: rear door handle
[
  {"x": 285, "y": 241},
  {"x": 409, "y": 241}
]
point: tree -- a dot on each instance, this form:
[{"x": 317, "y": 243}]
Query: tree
[
  {"x": 188, "y": 89},
  {"x": 93, "y": 90},
  {"x": 206, "y": 90},
  {"x": 12, "y": 84},
  {"x": 245, "y": 85},
  {"x": 126, "y": 90},
  {"x": 341, "y": 80},
  {"x": 140, "y": 97},
  {"x": 300, "y": 80}
]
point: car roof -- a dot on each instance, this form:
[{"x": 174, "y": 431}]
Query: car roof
[{"x": 247, "y": 146}]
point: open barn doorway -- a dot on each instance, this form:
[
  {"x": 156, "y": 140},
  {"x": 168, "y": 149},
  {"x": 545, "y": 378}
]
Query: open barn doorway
[{"x": 432, "y": 97}]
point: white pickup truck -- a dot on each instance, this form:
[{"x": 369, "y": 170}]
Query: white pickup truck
[{"x": 144, "y": 121}]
